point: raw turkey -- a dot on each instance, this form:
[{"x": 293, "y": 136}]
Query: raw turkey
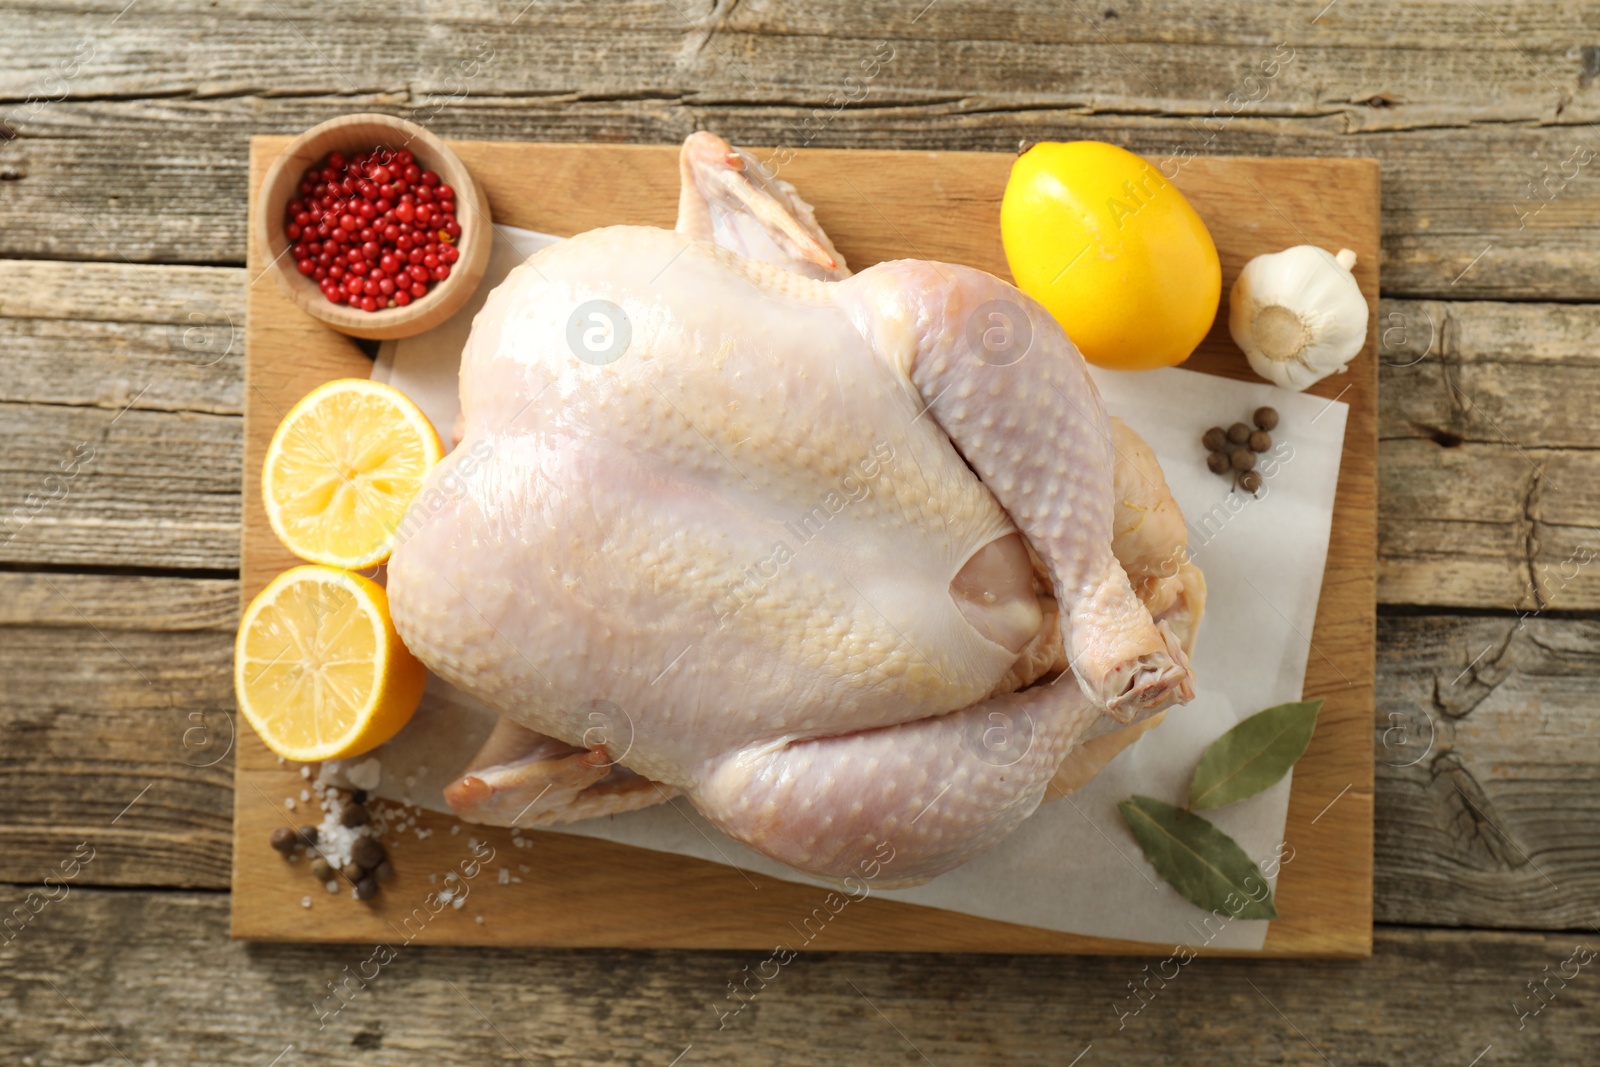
[{"x": 852, "y": 561}]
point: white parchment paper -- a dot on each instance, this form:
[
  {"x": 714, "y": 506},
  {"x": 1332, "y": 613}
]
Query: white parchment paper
[{"x": 1073, "y": 865}]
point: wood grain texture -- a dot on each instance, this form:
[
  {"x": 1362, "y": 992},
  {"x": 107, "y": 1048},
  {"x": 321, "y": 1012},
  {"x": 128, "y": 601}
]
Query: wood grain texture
[
  {"x": 164, "y": 295},
  {"x": 1490, "y": 455},
  {"x": 119, "y": 486},
  {"x": 116, "y": 714},
  {"x": 1475, "y": 110},
  {"x": 1487, "y": 746},
  {"x": 156, "y": 980},
  {"x": 1460, "y": 66},
  {"x": 1466, "y": 104},
  {"x": 876, "y": 206}
]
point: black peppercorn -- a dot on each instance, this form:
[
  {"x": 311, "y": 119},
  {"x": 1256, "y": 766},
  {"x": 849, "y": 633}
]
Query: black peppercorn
[
  {"x": 282, "y": 840},
  {"x": 367, "y": 852}
]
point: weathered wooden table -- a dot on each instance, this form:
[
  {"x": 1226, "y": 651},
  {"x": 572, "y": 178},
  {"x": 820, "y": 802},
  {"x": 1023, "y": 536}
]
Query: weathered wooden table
[{"x": 123, "y": 132}]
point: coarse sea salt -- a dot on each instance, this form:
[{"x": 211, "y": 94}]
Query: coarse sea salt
[
  {"x": 336, "y": 840},
  {"x": 366, "y": 774}
]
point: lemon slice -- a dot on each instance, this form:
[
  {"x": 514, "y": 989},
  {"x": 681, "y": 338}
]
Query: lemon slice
[
  {"x": 343, "y": 466},
  {"x": 318, "y": 667}
]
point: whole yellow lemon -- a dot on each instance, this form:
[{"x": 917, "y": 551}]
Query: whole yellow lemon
[{"x": 1111, "y": 249}]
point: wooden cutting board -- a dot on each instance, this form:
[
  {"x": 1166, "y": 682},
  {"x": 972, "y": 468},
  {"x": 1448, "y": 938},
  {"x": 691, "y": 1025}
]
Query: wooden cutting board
[{"x": 876, "y": 206}]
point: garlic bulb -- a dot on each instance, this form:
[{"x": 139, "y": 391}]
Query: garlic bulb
[{"x": 1298, "y": 314}]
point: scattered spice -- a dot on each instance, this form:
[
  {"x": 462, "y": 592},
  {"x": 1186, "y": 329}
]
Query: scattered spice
[
  {"x": 1232, "y": 452},
  {"x": 367, "y": 852},
  {"x": 345, "y": 849}
]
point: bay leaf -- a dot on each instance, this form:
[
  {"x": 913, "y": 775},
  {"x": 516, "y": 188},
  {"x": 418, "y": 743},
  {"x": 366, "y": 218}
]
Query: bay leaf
[
  {"x": 1254, "y": 755},
  {"x": 1205, "y": 865}
]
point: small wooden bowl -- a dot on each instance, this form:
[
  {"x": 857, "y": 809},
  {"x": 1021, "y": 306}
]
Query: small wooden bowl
[{"x": 356, "y": 133}]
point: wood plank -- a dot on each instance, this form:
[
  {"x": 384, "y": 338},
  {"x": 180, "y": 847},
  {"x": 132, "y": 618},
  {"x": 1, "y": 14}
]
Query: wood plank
[
  {"x": 951, "y": 203},
  {"x": 103, "y": 486},
  {"x": 156, "y": 980},
  {"x": 144, "y": 364},
  {"x": 119, "y": 602},
  {"x": 1490, "y": 455},
  {"x": 1488, "y": 814},
  {"x": 111, "y": 370},
  {"x": 116, "y": 726},
  {"x": 98, "y": 334},
  {"x": 1457, "y": 218},
  {"x": 167, "y": 295},
  {"x": 1445, "y": 64}
]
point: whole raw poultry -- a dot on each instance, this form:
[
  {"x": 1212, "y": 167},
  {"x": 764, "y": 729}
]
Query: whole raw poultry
[{"x": 817, "y": 535}]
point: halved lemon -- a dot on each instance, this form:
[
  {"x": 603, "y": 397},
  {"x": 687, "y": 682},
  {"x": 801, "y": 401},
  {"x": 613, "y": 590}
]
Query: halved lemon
[
  {"x": 343, "y": 467},
  {"x": 318, "y": 667}
]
